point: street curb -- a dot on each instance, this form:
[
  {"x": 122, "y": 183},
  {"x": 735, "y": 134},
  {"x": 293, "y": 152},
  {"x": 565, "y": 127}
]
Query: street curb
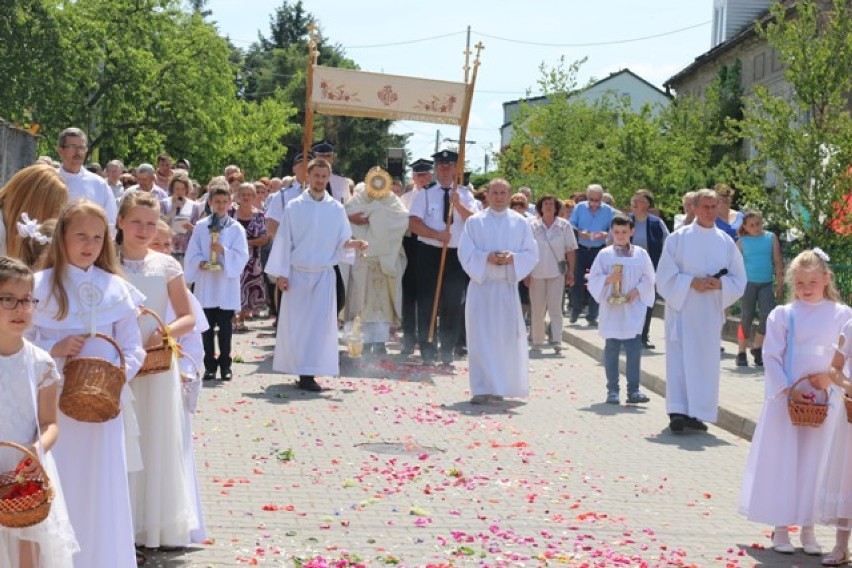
[{"x": 728, "y": 419}]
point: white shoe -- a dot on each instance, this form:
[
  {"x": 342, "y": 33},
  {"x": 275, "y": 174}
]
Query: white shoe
[
  {"x": 810, "y": 546},
  {"x": 781, "y": 542}
]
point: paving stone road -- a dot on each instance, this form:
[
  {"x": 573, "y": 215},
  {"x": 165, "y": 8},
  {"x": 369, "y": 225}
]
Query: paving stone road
[{"x": 393, "y": 466}]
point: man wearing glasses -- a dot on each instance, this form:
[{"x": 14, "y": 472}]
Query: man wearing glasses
[
  {"x": 72, "y": 148},
  {"x": 591, "y": 219}
]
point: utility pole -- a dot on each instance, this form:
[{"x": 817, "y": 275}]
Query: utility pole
[
  {"x": 485, "y": 171},
  {"x": 437, "y": 140}
]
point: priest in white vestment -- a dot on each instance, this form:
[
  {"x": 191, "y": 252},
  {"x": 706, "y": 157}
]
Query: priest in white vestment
[
  {"x": 313, "y": 236},
  {"x": 700, "y": 274},
  {"x": 497, "y": 250},
  {"x": 375, "y": 280}
]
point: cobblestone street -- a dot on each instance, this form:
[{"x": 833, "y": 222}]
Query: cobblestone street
[{"x": 392, "y": 465}]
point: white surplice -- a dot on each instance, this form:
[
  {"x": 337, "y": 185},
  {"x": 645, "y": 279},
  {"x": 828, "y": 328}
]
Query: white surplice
[
  {"x": 622, "y": 321},
  {"x": 90, "y": 457},
  {"x": 781, "y": 476},
  {"x": 308, "y": 244},
  {"x": 694, "y": 320},
  {"x": 217, "y": 289},
  {"x": 496, "y": 335}
]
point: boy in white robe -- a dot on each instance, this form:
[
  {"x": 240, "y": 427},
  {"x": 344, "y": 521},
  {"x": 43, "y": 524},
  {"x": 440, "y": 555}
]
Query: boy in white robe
[
  {"x": 313, "y": 236},
  {"x": 700, "y": 273},
  {"x": 218, "y": 291},
  {"x": 620, "y": 324},
  {"x": 497, "y": 250}
]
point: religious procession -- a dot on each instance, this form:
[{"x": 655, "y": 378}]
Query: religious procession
[{"x": 326, "y": 368}]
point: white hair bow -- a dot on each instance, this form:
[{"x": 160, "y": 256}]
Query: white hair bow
[
  {"x": 29, "y": 228},
  {"x": 822, "y": 254}
]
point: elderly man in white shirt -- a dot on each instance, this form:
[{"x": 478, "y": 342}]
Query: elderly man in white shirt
[{"x": 72, "y": 148}]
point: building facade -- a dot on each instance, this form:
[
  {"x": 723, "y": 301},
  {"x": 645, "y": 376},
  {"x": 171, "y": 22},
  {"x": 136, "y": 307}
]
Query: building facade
[{"x": 622, "y": 83}]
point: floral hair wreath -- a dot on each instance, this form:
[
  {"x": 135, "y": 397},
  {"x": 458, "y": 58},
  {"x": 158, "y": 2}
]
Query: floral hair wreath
[
  {"x": 822, "y": 254},
  {"x": 29, "y": 228}
]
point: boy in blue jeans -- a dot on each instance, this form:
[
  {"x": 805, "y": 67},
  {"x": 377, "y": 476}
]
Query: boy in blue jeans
[{"x": 622, "y": 281}]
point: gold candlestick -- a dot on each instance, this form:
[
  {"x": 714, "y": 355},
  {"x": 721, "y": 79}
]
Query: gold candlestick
[
  {"x": 617, "y": 297},
  {"x": 213, "y": 265}
]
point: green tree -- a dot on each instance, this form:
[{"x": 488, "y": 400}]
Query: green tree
[
  {"x": 279, "y": 61},
  {"x": 141, "y": 77},
  {"x": 804, "y": 137}
]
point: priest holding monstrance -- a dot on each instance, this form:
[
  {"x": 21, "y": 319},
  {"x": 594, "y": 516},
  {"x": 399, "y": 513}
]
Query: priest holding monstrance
[{"x": 374, "y": 294}]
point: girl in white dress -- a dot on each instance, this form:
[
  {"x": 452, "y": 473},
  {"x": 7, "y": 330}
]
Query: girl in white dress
[
  {"x": 781, "y": 476},
  {"x": 28, "y": 405},
  {"x": 192, "y": 353},
  {"x": 161, "y": 494},
  {"x": 834, "y": 492},
  {"x": 80, "y": 293}
]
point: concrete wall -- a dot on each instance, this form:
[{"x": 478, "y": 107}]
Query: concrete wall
[{"x": 17, "y": 150}]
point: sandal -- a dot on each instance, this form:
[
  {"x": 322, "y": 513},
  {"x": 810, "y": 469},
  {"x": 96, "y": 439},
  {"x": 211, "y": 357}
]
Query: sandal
[{"x": 838, "y": 557}]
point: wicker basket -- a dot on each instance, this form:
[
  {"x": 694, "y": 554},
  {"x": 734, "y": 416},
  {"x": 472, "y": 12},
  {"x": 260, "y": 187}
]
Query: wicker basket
[
  {"x": 157, "y": 359},
  {"x": 29, "y": 510},
  {"x": 848, "y": 403},
  {"x": 807, "y": 413},
  {"x": 92, "y": 389}
]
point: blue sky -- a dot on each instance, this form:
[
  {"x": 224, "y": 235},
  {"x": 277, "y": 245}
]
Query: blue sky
[{"x": 511, "y": 58}]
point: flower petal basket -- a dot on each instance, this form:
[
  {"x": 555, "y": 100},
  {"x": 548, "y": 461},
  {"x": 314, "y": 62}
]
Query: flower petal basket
[
  {"x": 25, "y": 510},
  {"x": 807, "y": 413},
  {"x": 157, "y": 359},
  {"x": 92, "y": 388}
]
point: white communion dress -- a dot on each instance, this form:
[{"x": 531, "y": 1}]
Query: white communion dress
[
  {"x": 18, "y": 400},
  {"x": 161, "y": 495}
]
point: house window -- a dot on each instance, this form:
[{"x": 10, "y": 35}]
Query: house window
[
  {"x": 718, "y": 25},
  {"x": 776, "y": 62},
  {"x": 759, "y": 64}
]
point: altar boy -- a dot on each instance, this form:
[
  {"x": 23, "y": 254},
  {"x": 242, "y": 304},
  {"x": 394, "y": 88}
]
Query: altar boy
[
  {"x": 217, "y": 285},
  {"x": 622, "y": 281}
]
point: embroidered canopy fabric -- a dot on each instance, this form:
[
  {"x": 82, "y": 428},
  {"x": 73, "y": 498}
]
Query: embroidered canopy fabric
[{"x": 349, "y": 92}]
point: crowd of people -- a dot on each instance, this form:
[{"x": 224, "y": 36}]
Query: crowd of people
[{"x": 149, "y": 259}]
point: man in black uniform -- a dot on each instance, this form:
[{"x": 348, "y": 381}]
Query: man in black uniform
[
  {"x": 428, "y": 220},
  {"x": 421, "y": 171}
]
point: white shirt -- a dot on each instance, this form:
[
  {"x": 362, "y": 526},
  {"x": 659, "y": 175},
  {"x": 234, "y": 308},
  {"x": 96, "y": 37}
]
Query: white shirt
[
  {"x": 339, "y": 188},
  {"x": 407, "y": 198},
  {"x": 559, "y": 238},
  {"x": 275, "y": 209},
  {"x": 156, "y": 191},
  {"x": 428, "y": 206},
  {"x": 86, "y": 185}
]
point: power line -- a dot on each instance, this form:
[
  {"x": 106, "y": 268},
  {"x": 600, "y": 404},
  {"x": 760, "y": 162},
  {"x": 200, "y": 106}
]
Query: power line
[
  {"x": 512, "y": 40},
  {"x": 393, "y": 44},
  {"x": 593, "y": 44}
]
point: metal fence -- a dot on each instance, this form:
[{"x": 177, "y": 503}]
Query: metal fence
[{"x": 17, "y": 150}]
